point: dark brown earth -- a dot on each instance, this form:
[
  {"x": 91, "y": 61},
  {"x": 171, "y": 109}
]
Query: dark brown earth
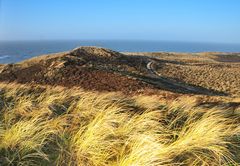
[{"x": 93, "y": 68}]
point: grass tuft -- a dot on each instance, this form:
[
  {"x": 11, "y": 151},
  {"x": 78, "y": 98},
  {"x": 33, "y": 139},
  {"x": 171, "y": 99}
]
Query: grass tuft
[{"x": 59, "y": 126}]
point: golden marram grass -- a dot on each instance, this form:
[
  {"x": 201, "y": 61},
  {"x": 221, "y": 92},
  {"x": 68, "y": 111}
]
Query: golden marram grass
[{"x": 58, "y": 126}]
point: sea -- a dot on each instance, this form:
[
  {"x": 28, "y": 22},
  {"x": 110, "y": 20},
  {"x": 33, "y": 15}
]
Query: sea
[{"x": 16, "y": 51}]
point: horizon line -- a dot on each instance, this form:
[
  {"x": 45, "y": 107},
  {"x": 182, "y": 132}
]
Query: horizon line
[{"x": 135, "y": 40}]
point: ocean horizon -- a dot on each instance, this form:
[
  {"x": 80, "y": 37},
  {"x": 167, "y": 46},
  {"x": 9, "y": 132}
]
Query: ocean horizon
[{"x": 16, "y": 51}]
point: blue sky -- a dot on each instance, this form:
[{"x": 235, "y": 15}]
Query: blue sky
[{"x": 172, "y": 20}]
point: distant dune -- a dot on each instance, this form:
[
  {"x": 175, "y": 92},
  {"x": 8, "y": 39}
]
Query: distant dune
[{"x": 100, "y": 69}]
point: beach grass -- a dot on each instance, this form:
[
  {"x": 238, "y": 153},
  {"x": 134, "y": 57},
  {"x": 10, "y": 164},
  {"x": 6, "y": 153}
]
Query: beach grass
[{"x": 44, "y": 125}]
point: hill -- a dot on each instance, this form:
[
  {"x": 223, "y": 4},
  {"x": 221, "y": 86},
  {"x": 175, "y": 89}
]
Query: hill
[
  {"x": 101, "y": 69},
  {"x": 97, "y": 107}
]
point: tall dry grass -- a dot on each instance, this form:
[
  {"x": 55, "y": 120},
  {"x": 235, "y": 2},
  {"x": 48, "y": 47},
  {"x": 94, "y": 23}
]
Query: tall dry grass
[{"x": 58, "y": 126}]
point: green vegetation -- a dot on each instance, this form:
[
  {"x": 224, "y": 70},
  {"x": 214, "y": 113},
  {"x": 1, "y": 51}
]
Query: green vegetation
[{"x": 59, "y": 126}]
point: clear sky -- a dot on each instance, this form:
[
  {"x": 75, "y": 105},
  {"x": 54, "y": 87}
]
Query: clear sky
[{"x": 173, "y": 20}]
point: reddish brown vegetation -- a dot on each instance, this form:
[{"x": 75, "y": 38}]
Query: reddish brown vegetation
[{"x": 77, "y": 68}]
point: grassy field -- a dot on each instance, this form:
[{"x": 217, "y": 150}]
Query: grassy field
[
  {"x": 59, "y": 126},
  {"x": 221, "y": 77},
  {"x": 213, "y": 71}
]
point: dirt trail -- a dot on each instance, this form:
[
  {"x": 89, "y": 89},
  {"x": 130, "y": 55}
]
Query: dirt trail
[{"x": 178, "y": 86}]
